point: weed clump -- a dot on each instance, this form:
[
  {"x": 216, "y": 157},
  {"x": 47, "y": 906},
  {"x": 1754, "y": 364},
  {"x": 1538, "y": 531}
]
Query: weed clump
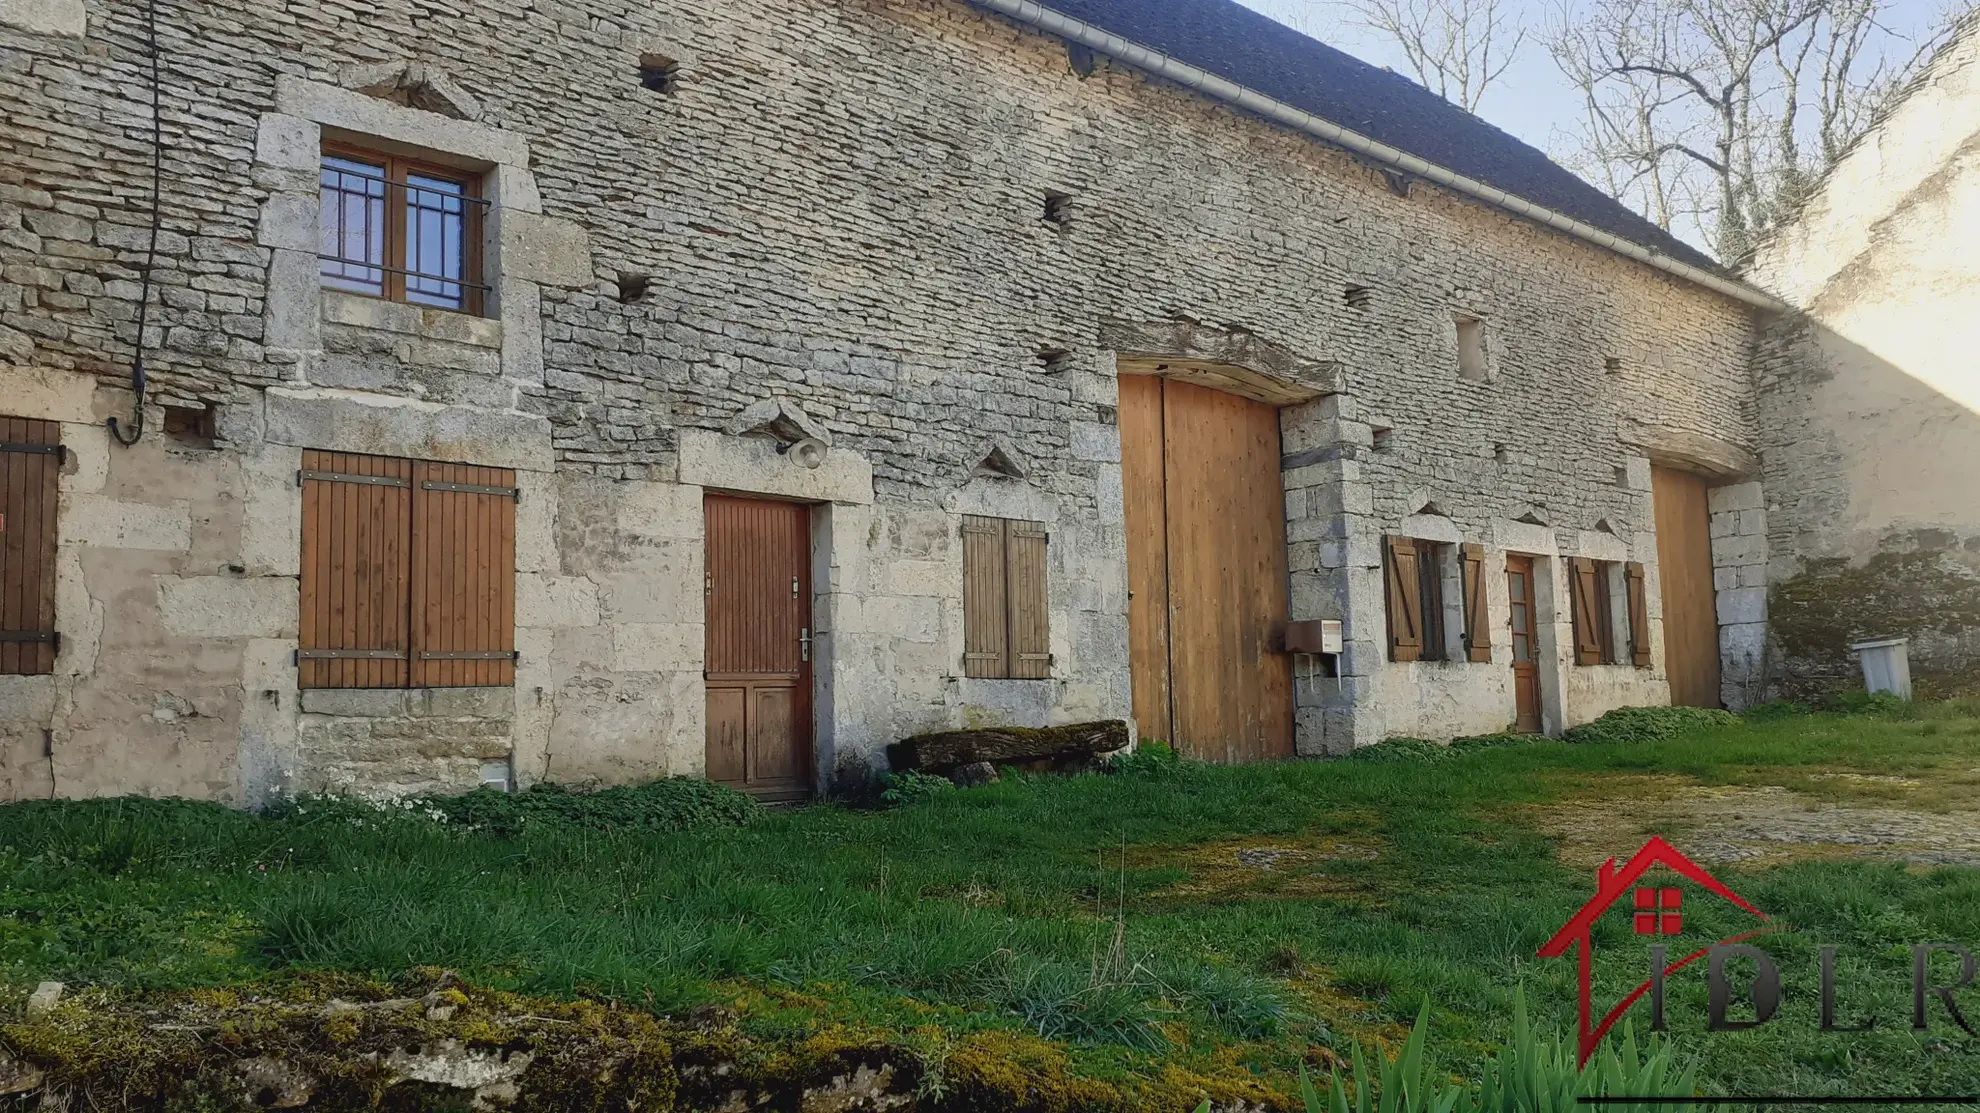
[
  {"x": 1152, "y": 758},
  {"x": 1391, "y": 751},
  {"x": 674, "y": 804},
  {"x": 899, "y": 790},
  {"x": 1649, "y": 724}
]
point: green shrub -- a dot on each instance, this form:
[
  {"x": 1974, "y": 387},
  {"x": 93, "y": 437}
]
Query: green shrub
[
  {"x": 1649, "y": 724},
  {"x": 1393, "y": 750},
  {"x": 1151, "y": 757},
  {"x": 674, "y": 804},
  {"x": 898, "y": 790},
  {"x": 1858, "y": 702}
]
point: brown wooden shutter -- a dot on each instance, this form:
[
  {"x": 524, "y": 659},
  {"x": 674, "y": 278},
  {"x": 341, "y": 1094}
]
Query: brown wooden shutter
[
  {"x": 356, "y": 554},
  {"x": 1477, "y": 623},
  {"x": 463, "y": 576},
  {"x": 1405, "y": 603},
  {"x": 1030, "y": 636},
  {"x": 1582, "y": 596},
  {"x": 986, "y": 572},
  {"x": 30, "y": 470},
  {"x": 1639, "y": 617}
]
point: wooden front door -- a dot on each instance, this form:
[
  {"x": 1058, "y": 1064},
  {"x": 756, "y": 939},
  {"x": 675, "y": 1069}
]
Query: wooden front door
[
  {"x": 1684, "y": 564},
  {"x": 758, "y": 592},
  {"x": 1205, "y": 516},
  {"x": 1525, "y": 664}
]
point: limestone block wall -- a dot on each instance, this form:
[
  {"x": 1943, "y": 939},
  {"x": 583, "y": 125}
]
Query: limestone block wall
[
  {"x": 1870, "y": 402},
  {"x": 839, "y": 208}
]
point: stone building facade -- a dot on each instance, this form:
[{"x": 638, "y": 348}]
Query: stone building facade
[
  {"x": 1869, "y": 397},
  {"x": 910, "y": 230}
]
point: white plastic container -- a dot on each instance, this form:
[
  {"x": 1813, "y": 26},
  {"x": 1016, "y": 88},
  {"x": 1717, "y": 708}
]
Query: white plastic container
[{"x": 1886, "y": 665}]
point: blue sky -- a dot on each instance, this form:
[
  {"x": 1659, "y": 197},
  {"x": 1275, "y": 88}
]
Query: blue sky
[{"x": 1531, "y": 100}]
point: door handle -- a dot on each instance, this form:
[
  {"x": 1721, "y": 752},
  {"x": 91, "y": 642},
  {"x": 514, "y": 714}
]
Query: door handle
[{"x": 804, "y": 643}]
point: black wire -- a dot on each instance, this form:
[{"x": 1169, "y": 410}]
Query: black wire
[{"x": 151, "y": 251}]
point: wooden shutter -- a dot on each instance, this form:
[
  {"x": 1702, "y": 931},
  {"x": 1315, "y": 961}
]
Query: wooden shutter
[
  {"x": 356, "y": 553},
  {"x": 1030, "y": 631},
  {"x": 1582, "y": 597},
  {"x": 463, "y": 576},
  {"x": 1477, "y": 624},
  {"x": 1639, "y": 617},
  {"x": 986, "y": 572},
  {"x": 30, "y": 469},
  {"x": 1405, "y": 603}
]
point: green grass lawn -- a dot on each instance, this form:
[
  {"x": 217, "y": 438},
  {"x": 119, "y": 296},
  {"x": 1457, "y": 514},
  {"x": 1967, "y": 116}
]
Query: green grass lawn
[{"x": 1164, "y": 931}]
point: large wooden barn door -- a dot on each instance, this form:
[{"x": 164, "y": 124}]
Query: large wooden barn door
[
  {"x": 759, "y": 645},
  {"x": 1684, "y": 563},
  {"x": 1205, "y": 511}
]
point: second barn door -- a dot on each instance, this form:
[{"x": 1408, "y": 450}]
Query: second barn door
[{"x": 1205, "y": 517}]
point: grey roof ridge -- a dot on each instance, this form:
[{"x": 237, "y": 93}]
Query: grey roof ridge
[{"x": 1051, "y": 22}]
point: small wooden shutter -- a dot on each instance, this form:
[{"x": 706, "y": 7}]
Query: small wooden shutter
[
  {"x": 30, "y": 470},
  {"x": 1405, "y": 603},
  {"x": 1583, "y": 590},
  {"x": 1639, "y": 617},
  {"x": 1030, "y": 631},
  {"x": 356, "y": 548},
  {"x": 1477, "y": 624},
  {"x": 986, "y": 639},
  {"x": 463, "y": 576}
]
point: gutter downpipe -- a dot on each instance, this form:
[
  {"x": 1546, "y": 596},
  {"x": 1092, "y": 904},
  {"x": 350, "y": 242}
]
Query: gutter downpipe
[{"x": 1182, "y": 73}]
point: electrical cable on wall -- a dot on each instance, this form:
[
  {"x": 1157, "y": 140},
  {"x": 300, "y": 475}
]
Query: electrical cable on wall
[{"x": 151, "y": 251}]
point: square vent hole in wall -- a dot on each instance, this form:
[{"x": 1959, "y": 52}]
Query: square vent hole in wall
[
  {"x": 1383, "y": 440},
  {"x": 194, "y": 426},
  {"x": 659, "y": 73},
  {"x": 1053, "y": 360},
  {"x": 634, "y": 288},
  {"x": 1358, "y": 297},
  {"x": 1058, "y": 208},
  {"x": 1612, "y": 365},
  {"x": 1471, "y": 349}
]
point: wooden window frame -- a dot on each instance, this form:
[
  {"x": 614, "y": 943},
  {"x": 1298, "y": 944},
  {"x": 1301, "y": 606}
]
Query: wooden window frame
[
  {"x": 411, "y": 590},
  {"x": 1413, "y": 599},
  {"x": 474, "y": 212},
  {"x": 1006, "y": 599}
]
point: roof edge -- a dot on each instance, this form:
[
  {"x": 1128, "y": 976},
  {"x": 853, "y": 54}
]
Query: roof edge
[{"x": 1044, "y": 19}]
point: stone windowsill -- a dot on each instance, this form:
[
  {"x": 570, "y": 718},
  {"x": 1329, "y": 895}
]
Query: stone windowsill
[
  {"x": 358, "y": 311},
  {"x": 410, "y": 703}
]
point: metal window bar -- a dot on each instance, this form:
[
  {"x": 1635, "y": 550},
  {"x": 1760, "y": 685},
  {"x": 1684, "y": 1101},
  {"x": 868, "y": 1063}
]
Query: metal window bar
[{"x": 354, "y": 196}]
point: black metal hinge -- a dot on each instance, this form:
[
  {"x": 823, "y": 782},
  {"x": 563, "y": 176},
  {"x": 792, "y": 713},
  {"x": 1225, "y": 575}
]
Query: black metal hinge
[
  {"x": 59, "y": 451},
  {"x": 33, "y": 637}
]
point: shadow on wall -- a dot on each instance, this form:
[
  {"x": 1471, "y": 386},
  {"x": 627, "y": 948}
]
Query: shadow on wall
[{"x": 1875, "y": 531}]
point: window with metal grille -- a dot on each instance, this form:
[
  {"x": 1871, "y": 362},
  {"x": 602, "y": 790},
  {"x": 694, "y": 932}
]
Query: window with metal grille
[
  {"x": 30, "y": 467},
  {"x": 1006, "y": 632},
  {"x": 408, "y": 573},
  {"x": 401, "y": 229}
]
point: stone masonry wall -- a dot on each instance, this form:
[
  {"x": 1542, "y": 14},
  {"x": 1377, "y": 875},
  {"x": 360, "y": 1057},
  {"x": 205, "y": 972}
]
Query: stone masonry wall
[
  {"x": 1870, "y": 404},
  {"x": 838, "y": 206}
]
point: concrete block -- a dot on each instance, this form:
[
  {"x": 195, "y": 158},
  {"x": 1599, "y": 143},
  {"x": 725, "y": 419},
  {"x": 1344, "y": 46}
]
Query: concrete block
[
  {"x": 228, "y": 606},
  {"x": 753, "y": 464},
  {"x": 546, "y": 250},
  {"x": 288, "y": 143},
  {"x": 919, "y": 577},
  {"x": 48, "y": 394},
  {"x": 1736, "y": 496},
  {"x": 268, "y": 665},
  {"x": 471, "y": 703},
  {"x": 1636, "y": 473},
  {"x": 1752, "y": 523},
  {"x": 115, "y": 524},
  {"x": 1107, "y": 494},
  {"x": 27, "y": 700},
  {"x": 1725, "y": 579},
  {"x": 347, "y": 421},
  {"x": 271, "y": 515},
  {"x": 657, "y": 646},
  {"x": 536, "y": 525},
  {"x": 289, "y": 221},
  {"x": 1746, "y": 604},
  {"x": 520, "y": 307},
  {"x": 552, "y": 601},
  {"x": 59, "y": 18},
  {"x": 359, "y": 703},
  {"x": 291, "y": 315},
  {"x": 658, "y": 510},
  {"x": 333, "y": 106},
  {"x": 1094, "y": 441},
  {"x": 88, "y": 468},
  {"x": 1738, "y": 549}
]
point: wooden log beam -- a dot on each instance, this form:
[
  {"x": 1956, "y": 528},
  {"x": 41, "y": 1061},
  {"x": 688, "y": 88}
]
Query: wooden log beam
[{"x": 945, "y": 750}]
